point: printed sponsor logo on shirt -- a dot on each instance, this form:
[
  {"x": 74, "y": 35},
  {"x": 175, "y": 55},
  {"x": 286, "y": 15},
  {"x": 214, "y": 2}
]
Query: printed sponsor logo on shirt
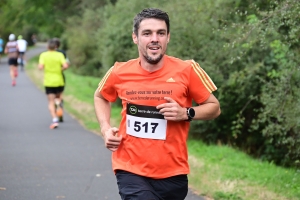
[
  {"x": 133, "y": 110},
  {"x": 171, "y": 80},
  {"x": 143, "y": 111}
]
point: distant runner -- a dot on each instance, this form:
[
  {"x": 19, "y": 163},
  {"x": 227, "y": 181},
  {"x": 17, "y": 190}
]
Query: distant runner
[
  {"x": 1, "y": 47},
  {"x": 22, "y": 44},
  {"x": 12, "y": 51},
  {"x": 59, "y": 102},
  {"x": 53, "y": 62}
]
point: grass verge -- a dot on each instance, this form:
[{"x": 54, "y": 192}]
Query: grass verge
[
  {"x": 224, "y": 173},
  {"x": 217, "y": 172}
]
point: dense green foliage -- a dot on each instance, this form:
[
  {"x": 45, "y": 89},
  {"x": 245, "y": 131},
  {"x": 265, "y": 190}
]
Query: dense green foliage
[
  {"x": 263, "y": 84},
  {"x": 27, "y": 17},
  {"x": 250, "y": 48},
  {"x": 250, "y": 51}
]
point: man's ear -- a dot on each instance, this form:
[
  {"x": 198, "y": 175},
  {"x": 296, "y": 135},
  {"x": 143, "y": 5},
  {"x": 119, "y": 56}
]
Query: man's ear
[{"x": 134, "y": 38}]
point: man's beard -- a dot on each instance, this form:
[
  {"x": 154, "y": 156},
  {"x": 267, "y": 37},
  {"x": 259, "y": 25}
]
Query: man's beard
[{"x": 153, "y": 61}]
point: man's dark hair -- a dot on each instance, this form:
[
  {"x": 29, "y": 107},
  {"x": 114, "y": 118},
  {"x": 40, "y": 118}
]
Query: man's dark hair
[
  {"x": 51, "y": 44},
  {"x": 150, "y": 13},
  {"x": 57, "y": 41}
]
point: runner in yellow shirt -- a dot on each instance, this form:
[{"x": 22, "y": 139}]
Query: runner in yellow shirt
[{"x": 53, "y": 62}]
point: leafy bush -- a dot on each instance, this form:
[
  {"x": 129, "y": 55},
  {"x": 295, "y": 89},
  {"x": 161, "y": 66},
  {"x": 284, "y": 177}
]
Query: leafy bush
[
  {"x": 249, "y": 48},
  {"x": 260, "y": 97}
]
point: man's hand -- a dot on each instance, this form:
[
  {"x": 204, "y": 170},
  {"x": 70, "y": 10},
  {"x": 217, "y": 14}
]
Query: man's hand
[
  {"x": 111, "y": 138},
  {"x": 41, "y": 66},
  {"x": 172, "y": 110}
]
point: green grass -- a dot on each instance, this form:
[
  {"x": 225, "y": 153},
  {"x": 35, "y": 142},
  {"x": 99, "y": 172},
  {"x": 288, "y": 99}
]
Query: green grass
[
  {"x": 218, "y": 172},
  {"x": 225, "y": 173}
]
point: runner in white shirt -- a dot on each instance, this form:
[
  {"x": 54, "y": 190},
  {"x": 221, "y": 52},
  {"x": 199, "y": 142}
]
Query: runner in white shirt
[{"x": 22, "y": 44}]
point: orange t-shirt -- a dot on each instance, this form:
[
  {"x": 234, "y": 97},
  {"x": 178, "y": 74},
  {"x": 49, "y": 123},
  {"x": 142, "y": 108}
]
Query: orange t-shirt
[{"x": 178, "y": 79}]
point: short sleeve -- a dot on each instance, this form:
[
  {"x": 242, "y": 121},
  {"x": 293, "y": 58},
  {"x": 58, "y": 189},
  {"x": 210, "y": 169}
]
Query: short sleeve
[
  {"x": 107, "y": 86},
  {"x": 200, "y": 85},
  {"x": 41, "y": 59},
  {"x": 62, "y": 59}
]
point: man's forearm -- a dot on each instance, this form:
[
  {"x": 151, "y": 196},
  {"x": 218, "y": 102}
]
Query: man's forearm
[
  {"x": 102, "y": 109},
  {"x": 207, "y": 111}
]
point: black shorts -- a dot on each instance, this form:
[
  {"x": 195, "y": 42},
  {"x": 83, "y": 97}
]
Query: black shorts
[
  {"x": 21, "y": 53},
  {"x": 13, "y": 61},
  {"x": 54, "y": 90},
  {"x": 135, "y": 187}
]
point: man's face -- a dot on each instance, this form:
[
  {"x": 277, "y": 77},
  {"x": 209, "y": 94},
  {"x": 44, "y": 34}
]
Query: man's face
[{"x": 152, "y": 40}]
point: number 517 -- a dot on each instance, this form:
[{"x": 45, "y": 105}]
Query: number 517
[{"x": 138, "y": 126}]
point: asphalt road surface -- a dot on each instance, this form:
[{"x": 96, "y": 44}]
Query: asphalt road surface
[{"x": 36, "y": 163}]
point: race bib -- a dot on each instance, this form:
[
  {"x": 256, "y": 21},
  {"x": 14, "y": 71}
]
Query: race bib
[{"x": 145, "y": 122}]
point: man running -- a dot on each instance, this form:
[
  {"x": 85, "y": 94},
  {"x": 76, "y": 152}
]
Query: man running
[
  {"x": 1, "y": 47},
  {"x": 53, "y": 63},
  {"x": 60, "y": 102},
  {"x": 149, "y": 150},
  {"x": 12, "y": 51},
  {"x": 22, "y": 44}
]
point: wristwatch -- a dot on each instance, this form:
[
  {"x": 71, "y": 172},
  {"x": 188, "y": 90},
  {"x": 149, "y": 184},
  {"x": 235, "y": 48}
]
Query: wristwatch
[{"x": 190, "y": 113}]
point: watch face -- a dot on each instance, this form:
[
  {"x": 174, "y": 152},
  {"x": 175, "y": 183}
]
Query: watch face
[{"x": 191, "y": 112}]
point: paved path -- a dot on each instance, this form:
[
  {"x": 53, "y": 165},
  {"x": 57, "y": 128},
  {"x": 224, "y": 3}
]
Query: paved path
[{"x": 37, "y": 163}]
